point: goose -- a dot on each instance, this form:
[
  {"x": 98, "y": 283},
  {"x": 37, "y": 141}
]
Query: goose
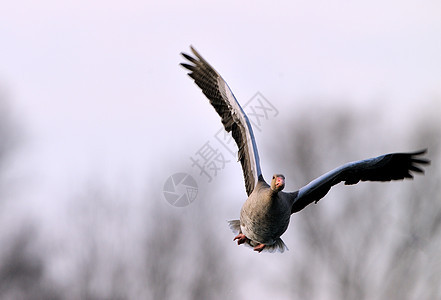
[{"x": 266, "y": 213}]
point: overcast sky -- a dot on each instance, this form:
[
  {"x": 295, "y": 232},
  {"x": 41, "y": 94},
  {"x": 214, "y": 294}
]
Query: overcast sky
[{"x": 99, "y": 92}]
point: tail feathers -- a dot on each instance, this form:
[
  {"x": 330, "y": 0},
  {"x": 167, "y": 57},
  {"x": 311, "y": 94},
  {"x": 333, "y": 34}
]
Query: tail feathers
[
  {"x": 278, "y": 246},
  {"x": 235, "y": 226}
]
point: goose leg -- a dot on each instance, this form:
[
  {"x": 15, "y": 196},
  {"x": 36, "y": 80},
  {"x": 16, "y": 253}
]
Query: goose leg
[
  {"x": 259, "y": 247},
  {"x": 241, "y": 238}
]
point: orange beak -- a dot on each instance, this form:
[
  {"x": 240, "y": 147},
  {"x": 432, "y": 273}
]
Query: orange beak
[{"x": 280, "y": 181}]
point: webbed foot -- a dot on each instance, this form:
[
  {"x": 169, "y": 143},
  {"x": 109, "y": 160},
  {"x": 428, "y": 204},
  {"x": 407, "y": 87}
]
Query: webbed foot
[
  {"x": 259, "y": 247},
  {"x": 241, "y": 238}
]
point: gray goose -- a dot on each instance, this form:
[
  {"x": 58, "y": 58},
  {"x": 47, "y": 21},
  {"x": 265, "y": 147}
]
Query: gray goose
[{"x": 266, "y": 213}]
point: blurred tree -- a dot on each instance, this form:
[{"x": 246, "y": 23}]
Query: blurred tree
[
  {"x": 22, "y": 267},
  {"x": 22, "y": 264},
  {"x": 124, "y": 250},
  {"x": 183, "y": 260}
]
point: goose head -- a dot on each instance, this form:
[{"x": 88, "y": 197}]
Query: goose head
[{"x": 278, "y": 182}]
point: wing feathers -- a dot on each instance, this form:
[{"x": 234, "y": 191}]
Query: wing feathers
[
  {"x": 188, "y": 57},
  {"x": 232, "y": 115},
  {"x": 394, "y": 166}
]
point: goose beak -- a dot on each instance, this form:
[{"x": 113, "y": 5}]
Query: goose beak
[{"x": 280, "y": 182}]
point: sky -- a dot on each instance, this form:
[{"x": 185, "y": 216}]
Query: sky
[{"x": 99, "y": 94}]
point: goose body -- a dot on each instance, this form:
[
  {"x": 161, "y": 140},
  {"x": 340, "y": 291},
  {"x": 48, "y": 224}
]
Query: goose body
[
  {"x": 266, "y": 213},
  {"x": 264, "y": 217}
]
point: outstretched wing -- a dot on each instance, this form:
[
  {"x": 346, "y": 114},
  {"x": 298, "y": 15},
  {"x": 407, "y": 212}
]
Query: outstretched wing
[
  {"x": 394, "y": 166},
  {"x": 233, "y": 117}
]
